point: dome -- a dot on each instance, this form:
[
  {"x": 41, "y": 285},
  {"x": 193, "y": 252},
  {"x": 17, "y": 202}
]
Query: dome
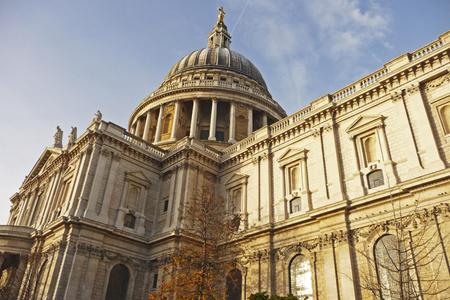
[
  {"x": 217, "y": 58},
  {"x": 213, "y": 94}
]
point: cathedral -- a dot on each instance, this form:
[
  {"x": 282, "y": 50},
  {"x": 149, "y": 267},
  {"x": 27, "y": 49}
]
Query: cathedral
[{"x": 323, "y": 194}]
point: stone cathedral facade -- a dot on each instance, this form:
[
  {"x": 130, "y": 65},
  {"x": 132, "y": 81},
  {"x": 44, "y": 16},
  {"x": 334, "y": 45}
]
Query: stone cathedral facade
[{"x": 317, "y": 190}]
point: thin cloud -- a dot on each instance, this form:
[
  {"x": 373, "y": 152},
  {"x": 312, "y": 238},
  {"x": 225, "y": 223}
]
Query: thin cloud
[{"x": 348, "y": 26}]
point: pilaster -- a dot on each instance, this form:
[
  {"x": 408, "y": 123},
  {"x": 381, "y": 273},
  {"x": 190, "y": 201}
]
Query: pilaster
[
  {"x": 94, "y": 197},
  {"x": 424, "y": 131},
  {"x": 409, "y": 144},
  {"x": 103, "y": 215}
]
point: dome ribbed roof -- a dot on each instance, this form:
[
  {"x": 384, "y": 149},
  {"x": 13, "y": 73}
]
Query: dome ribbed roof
[{"x": 217, "y": 58}]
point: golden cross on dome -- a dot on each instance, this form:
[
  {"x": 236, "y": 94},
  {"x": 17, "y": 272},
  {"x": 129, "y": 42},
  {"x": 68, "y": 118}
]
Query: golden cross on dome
[{"x": 221, "y": 14}]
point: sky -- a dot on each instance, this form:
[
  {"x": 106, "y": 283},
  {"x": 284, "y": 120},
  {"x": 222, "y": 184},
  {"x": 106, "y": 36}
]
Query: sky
[{"x": 61, "y": 61}]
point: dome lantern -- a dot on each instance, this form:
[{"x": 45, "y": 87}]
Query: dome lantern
[{"x": 219, "y": 37}]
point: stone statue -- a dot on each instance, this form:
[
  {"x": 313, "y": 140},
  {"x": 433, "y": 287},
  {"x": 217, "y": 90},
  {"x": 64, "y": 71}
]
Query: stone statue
[
  {"x": 58, "y": 138},
  {"x": 221, "y": 14},
  {"x": 98, "y": 117},
  {"x": 73, "y": 135}
]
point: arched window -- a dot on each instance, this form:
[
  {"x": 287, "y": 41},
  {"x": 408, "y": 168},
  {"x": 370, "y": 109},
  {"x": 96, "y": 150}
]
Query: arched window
[
  {"x": 40, "y": 282},
  {"x": 166, "y": 125},
  {"x": 234, "y": 285},
  {"x": 237, "y": 201},
  {"x": 300, "y": 277},
  {"x": 445, "y": 117},
  {"x": 390, "y": 257},
  {"x": 296, "y": 205},
  {"x": 118, "y": 283},
  {"x": 295, "y": 177},
  {"x": 370, "y": 151},
  {"x": 375, "y": 178}
]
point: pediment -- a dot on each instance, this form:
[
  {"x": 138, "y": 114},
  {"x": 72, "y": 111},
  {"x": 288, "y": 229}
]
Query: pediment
[
  {"x": 236, "y": 179},
  {"x": 138, "y": 177},
  {"x": 291, "y": 155},
  {"x": 43, "y": 163},
  {"x": 364, "y": 123},
  {"x": 69, "y": 170}
]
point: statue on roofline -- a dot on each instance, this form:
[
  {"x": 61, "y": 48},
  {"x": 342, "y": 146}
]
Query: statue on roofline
[
  {"x": 73, "y": 136},
  {"x": 98, "y": 117},
  {"x": 221, "y": 14},
  {"x": 58, "y": 138}
]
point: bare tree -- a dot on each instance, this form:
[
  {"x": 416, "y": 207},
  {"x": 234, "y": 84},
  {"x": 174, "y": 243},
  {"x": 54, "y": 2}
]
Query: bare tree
[
  {"x": 408, "y": 259},
  {"x": 196, "y": 269}
]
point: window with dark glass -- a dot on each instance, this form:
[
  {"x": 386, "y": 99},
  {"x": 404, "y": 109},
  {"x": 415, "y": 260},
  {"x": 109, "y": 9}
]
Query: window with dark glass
[
  {"x": 118, "y": 283},
  {"x": 129, "y": 220},
  {"x": 155, "y": 281},
  {"x": 234, "y": 285},
  {"x": 295, "y": 205},
  {"x": 204, "y": 134},
  {"x": 375, "y": 178},
  {"x": 220, "y": 136}
]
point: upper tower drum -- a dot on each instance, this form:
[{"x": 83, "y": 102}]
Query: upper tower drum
[{"x": 214, "y": 94}]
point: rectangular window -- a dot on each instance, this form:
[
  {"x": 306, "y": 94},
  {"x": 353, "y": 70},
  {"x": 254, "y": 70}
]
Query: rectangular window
[
  {"x": 166, "y": 205},
  {"x": 220, "y": 136},
  {"x": 204, "y": 134},
  {"x": 129, "y": 221},
  {"x": 155, "y": 281}
]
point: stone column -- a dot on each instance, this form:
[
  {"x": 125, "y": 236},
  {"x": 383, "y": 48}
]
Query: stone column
[
  {"x": 194, "y": 117},
  {"x": 212, "y": 124},
  {"x": 138, "y": 127},
  {"x": 173, "y": 135},
  {"x": 264, "y": 119},
  {"x": 159, "y": 124},
  {"x": 250, "y": 121},
  {"x": 147, "y": 127},
  {"x": 232, "y": 138}
]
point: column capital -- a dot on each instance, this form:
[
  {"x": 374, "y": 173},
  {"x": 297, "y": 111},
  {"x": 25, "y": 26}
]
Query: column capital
[{"x": 397, "y": 96}]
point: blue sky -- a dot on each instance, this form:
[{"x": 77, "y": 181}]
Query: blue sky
[{"x": 61, "y": 61}]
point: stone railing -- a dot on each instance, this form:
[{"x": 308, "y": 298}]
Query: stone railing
[
  {"x": 194, "y": 143},
  {"x": 426, "y": 50},
  {"x": 138, "y": 142},
  {"x": 218, "y": 83},
  {"x": 300, "y": 114},
  {"x": 240, "y": 145},
  {"x": 359, "y": 85}
]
